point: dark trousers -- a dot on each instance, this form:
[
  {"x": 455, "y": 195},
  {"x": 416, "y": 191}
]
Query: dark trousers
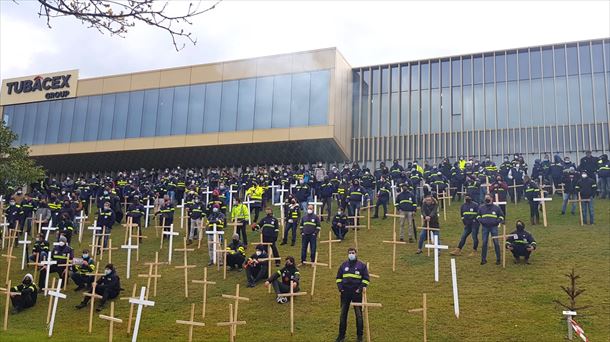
[
  {"x": 242, "y": 230},
  {"x": 309, "y": 240},
  {"x": 470, "y": 229},
  {"x": 257, "y": 211},
  {"x": 256, "y": 274},
  {"x": 23, "y": 302},
  {"x": 59, "y": 270},
  {"x": 276, "y": 252},
  {"x": 235, "y": 260},
  {"x": 521, "y": 251},
  {"x": 326, "y": 203},
  {"x": 81, "y": 279},
  {"x": 348, "y": 297},
  {"x": 280, "y": 287},
  {"x": 534, "y": 214},
  {"x": 290, "y": 227},
  {"x": 105, "y": 292},
  {"x": 383, "y": 203},
  {"x": 340, "y": 232}
]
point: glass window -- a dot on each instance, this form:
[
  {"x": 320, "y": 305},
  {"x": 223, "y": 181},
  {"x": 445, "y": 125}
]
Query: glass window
[
  {"x": 376, "y": 80},
  {"x": 468, "y": 116},
  {"x": 524, "y": 65},
  {"x": 547, "y": 62},
  {"x": 537, "y": 111},
  {"x": 607, "y": 54},
  {"x": 54, "y": 122},
  {"x": 42, "y": 123},
  {"x": 65, "y": 126},
  {"x": 500, "y": 67},
  {"x": 364, "y": 118},
  {"x": 456, "y": 97},
  {"x": 425, "y": 111},
  {"x": 489, "y": 68},
  {"x": 490, "y": 107},
  {"x": 586, "y": 96},
  {"x": 394, "y": 113},
  {"x": 395, "y": 78},
  {"x": 404, "y": 113},
  {"x": 446, "y": 109},
  {"x": 211, "y": 116},
  {"x": 425, "y": 75},
  {"x": 601, "y": 109},
  {"x": 7, "y": 116},
  {"x": 513, "y": 104},
  {"x": 80, "y": 119},
  {"x": 456, "y": 72},
  {"x": 385, "y": 114},
  {"x": 164, "y": 114},
  {"x": 180, "y": 110},
  {"x": 105, "y": 131},
  {"x": 281, "y": 101},
  {"x": 121, "y": 108},
  {"x": 561, "y": 98},
  {"x": 134, "y": 114},
  {"x": 478, "y": 69},
  {"x": 479, "y": 108},
  {"x": 149, "y": 112},
  {"x": 299, "y": 104},
  {"x": 19, "y": 119},
  {"x": 196, "y": 107},
  {"x": 405, "y": 76},
  {"x": 415, "y": 112},
  {"x": 94, "y": 108},
  {"x": 318, "y": 101},
  {"x": 414, "y": 76},
  {"x": 375, "y": 115},
  {"x": 572, "y": 59},
  {"x": 355, "y": 103},
  {"x": 511, "y": 65},
  {"x": 585, "y": 58},
  {"x": 598, "y": 57},
  {"x": 435, "y": 112},
  {"x": 385, "y": 79},
  {"x": 445, "y": 70},
  {"x": 574, "y": 104},
  {"x": 435, "y": 74},
  {"x": 535, "y": 63},
  {"x": 264, "y": 103},
  {"x": 501, "y": 107},
  {"x": 560, "y": 61},
  {"x": 467, "y": 70},
  {"x": 245, "y": 105},
  {"x": 228, "y": 106}
]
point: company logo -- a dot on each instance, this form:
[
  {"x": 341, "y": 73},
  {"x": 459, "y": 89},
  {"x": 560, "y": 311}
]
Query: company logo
[{"x": 40, "y": 83}]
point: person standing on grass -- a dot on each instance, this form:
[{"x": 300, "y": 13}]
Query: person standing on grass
[
  {"x": 352, "y": 280},
  {"x": 490, "y": 216},
  {"x": 429, "y": 212}
]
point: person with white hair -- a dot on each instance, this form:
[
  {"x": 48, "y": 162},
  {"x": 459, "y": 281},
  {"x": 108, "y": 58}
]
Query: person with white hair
[{"x": 28, "y": 293}]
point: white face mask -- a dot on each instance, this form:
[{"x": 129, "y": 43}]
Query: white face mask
[
  {"x": 85, "y": 256},
  {"x": 309, "y": 211},
  {"x": 107, "y": 272},
  {"x": 339, "y": 212},
  {"x": 61, "y": 243},
  {"x": 215, "y": 210},
  {"x": 351, "y": 257},
  {"x": 259, "y": 253},
  {"x": 584, "y": 175}
]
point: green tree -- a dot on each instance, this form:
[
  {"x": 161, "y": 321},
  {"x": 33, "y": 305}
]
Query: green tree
[{"x": 16, "y": 166}]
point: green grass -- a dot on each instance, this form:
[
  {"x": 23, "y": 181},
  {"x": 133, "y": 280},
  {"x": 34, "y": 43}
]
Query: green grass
[{"x": 512, "y": 304}]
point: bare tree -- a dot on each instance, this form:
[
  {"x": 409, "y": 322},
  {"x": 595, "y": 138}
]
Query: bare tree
[
  {"x": 572, "y": 293},
  {"x": 116, "y": 17}
]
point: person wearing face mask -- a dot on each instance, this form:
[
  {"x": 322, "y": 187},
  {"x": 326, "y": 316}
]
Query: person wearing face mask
[
  {"x": 326, "y": 193},
  {"x": 603, "y": 172},
  {"x": 569, "y": 181},
  {"x": 352, "y": 280},
  {"x": 255, "y": 270},
  {"x": 302, "y": 192},
  {"x": 28, "y": 293},
  {"x": 136, "y": 212},
  {"x": 521, "y": 243},
  {"x": 310, "y": 228},
  {"x": 82, "y": 270},
  {"x": 240, "y": 212},
  {"x": 40, "y": 249},
  {"x": 354, "y": 197},
  {"x": 383, "y": 197},
  {"x": 14, "y": 215},
  {"x": 292, "y": 221},
  {"x": 236, "y": 253},
  {"x": 469, "y": 212},
  {"x": 62, "y": 253},
  {"x": 196, "y": 213},
  {"x": 339, "y": 224},
  {"x": 500, "y": 188},
  {"x": 65, "y": 227},
  {"x": 406, "y": 203},
  {"x": 532, "y": 191},
  {"x": 281, "y": 280},
  {"x": 429, "y": 212},
  {"x": 269, "y": 228},
  {"x": 255, "y": 194},
  {"x": 587, "y": 189},
  {"x": 490, "y": 216},
  {"x": 108, "y": 286},
  {"x": 106, "y": 220},
  {"x": 216, "y": 218}
]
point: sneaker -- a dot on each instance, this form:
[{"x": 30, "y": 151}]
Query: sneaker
[
  {"x": 402, "y": 239},
  {"x": 278, "y": 300},
  {"x": 250, "y": 285},
  {"x": 473, "y": 253},
  {"x": 498, "y": 262},
  {"x": 189, "y": 241},
  {"x": 81, "y": 305},
  {"x": 456, "y": 252},
  {"x": 283, "y": 243},
  {"x": 292, "y": 244},
  {"x": 210, "y": 263},
  {"x": 419, "y": 251},
  {"x": 283, "y": 300},
  {"x": 483, "y": 262}
]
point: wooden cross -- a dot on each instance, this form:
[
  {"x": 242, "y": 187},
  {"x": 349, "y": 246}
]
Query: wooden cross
[
  {"x": 109, "y": 249},
  {"x": 281, "y": 204},
  {"x": 497, "y": 202},
  {"x": 149, "y": 277},
  {"x": 514, "y": 187},
  {"x": 579, "y": 201},
  {"x": 170, "y": 234},
  {"x": 449, "y": 188},
  {"x": 330, "y": 242},
  {"x": 50, "y": 306},
  {"x": 138, "y": 237},
  {"x": 101, "y": 238},
  {"x": 181, "y": 206},
  {"x": 128, "y": 228},
  {"x": 200, "y": 230},
  {"x": 368, "y": 266},
  {"x": 355, "y": 227},
  {"x": 186, "y": 267},
  {"x": 191, "y": 323},
  {"x": 8, "y": 294},
  {"x": 81, "y": 225},
  {"x": 156, "y": 272},
  {"x": 205, "y": 283},
  {"x": 39, "y": 223},
  {"x": 129, "y": 246},
  {"x": 291, "y": 296},
  {"x": 56, "y": 295},
  {"x": 66, "y": 266},
  {"x": 224, "y": 253},
  {"x": 9, "y": 257},
  {"x": 368, "y": 216},
  {"x": 94, "y": 229},
  {"x": 35, "y": 264},
  {"x": 436, "y": 248},
  {"x": 315, "y": 204},
  {"x": 248, "y": 202},
  {"x": 237, "y": 298},
  {"x": 503, "y": 246},
  {"x": 424, "y": 311},
  {"x": 140, "y": 302},
  {"x": 542, "y": 200},
  {"x": 93, "y": 296},
  {"x": 315, "y": 265},
  {"x": 112, "y": 320},
  {"x": 442, "y": 196},
  {"x": 232, "y": 324},
  {"x": 133, "y": 295},
  {"x": 365, "y": 305},
  {"x": 394, "y": 216},
  {"x": 394, "y": 242},
  {"x": 234, "y": 224},
  {"x": 486, "y": 185},
  {"x": 147, "y": 207}
]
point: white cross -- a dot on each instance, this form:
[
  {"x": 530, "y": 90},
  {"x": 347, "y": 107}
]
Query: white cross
[
  {"x": 456, "y": 300},
  {"x": 231, "y": 192},
  {"x": 273, "y": 187},
  {"x": 436, "y": 248},
  {"x": 4, "y": 227},
  {"x": 393, "y": 191},
  {"x": 48, "y": 264},
  {"x": 282, "y": 190},
  {"x": 207, "y": 193},
  {"x": 248, "y": 202},
  {"x": 215, "y": 234},
  {"x": 181, "y": 206},
  {"x": 81, "y": 223},
  {"x": 139, "y": 302},
  {"x": 49, "y": 229},
  {"x": 315, "y": 204},
  {"x": 170, "y": 234},
  {"x": 148, "y": 206},
  {"x": 94, "y": 229},
  {"x": 57, "y": 294},
  {"x": 129, "y": 247},
  {"x": 25, "y": 243}
]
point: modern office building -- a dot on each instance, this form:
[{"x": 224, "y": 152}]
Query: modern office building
[{"x": 310, "y": 106}]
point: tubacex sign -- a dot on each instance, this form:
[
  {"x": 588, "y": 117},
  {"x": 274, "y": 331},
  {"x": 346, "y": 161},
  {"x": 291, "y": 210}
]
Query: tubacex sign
[{"x": 42, "y": 87}]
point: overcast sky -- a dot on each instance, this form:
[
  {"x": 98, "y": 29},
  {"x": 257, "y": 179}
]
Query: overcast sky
[{"x": 366, "y": 32}]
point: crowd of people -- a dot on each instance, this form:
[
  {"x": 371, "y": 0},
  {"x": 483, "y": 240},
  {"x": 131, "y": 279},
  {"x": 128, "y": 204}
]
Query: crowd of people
[{"x": 305, "y": 195}]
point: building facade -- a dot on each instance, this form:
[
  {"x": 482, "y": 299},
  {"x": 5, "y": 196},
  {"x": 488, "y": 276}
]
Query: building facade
[{"x": 310, "y": 106}]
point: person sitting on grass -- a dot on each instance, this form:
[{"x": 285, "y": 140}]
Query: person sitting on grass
[
  {"x": 236, "y": 253},
  {"x": 108, "y": 286},
  {"x": 256, "y": 270},
  {"x": 521, "y": 243},
  {"x": 24, "y": 295},
  {"x": 281, "y": 279}
]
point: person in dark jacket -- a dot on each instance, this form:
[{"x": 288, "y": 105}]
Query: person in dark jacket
[
  {"x": 65, "y": 227},
  {"x": 587, "y": 189},
  {"x": 532, "y": 191},
  {"x": 270, "y": 228},
  {"x": 257, "y": 270},
  {"x": 603, "y": 172},
  {"x": 106, "y": 220},
  {"x": 81, "y": 272},
  {"x": 588, "y": 164},
  {"x": 352, "y": 280},
  {"x": 292, "y": 221},
  {"x": 521, "y": 243},
  {"x": 40, "y": 249},
  {"x": 108, "y": 286},
  {"x": 429, "y": 212},
  {"x": 310, "y": 228},
  {"x": 469, "y": 212},
  {"x": 569, "y": 181},
  {"x": 339, "y": 224},
  {"x": 62, "y": 253},
  {"x": 383, "y": 197},
  {"x": 407, "y": 206},
  {"x": 281, "y": 279},
  {"x": 28, "y": 293},
  {"x": 236, "y": 253},
  {"x": 490, "y": 216}
]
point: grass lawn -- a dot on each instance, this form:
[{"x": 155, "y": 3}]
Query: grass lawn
[{"x": 512, "y": 304}]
